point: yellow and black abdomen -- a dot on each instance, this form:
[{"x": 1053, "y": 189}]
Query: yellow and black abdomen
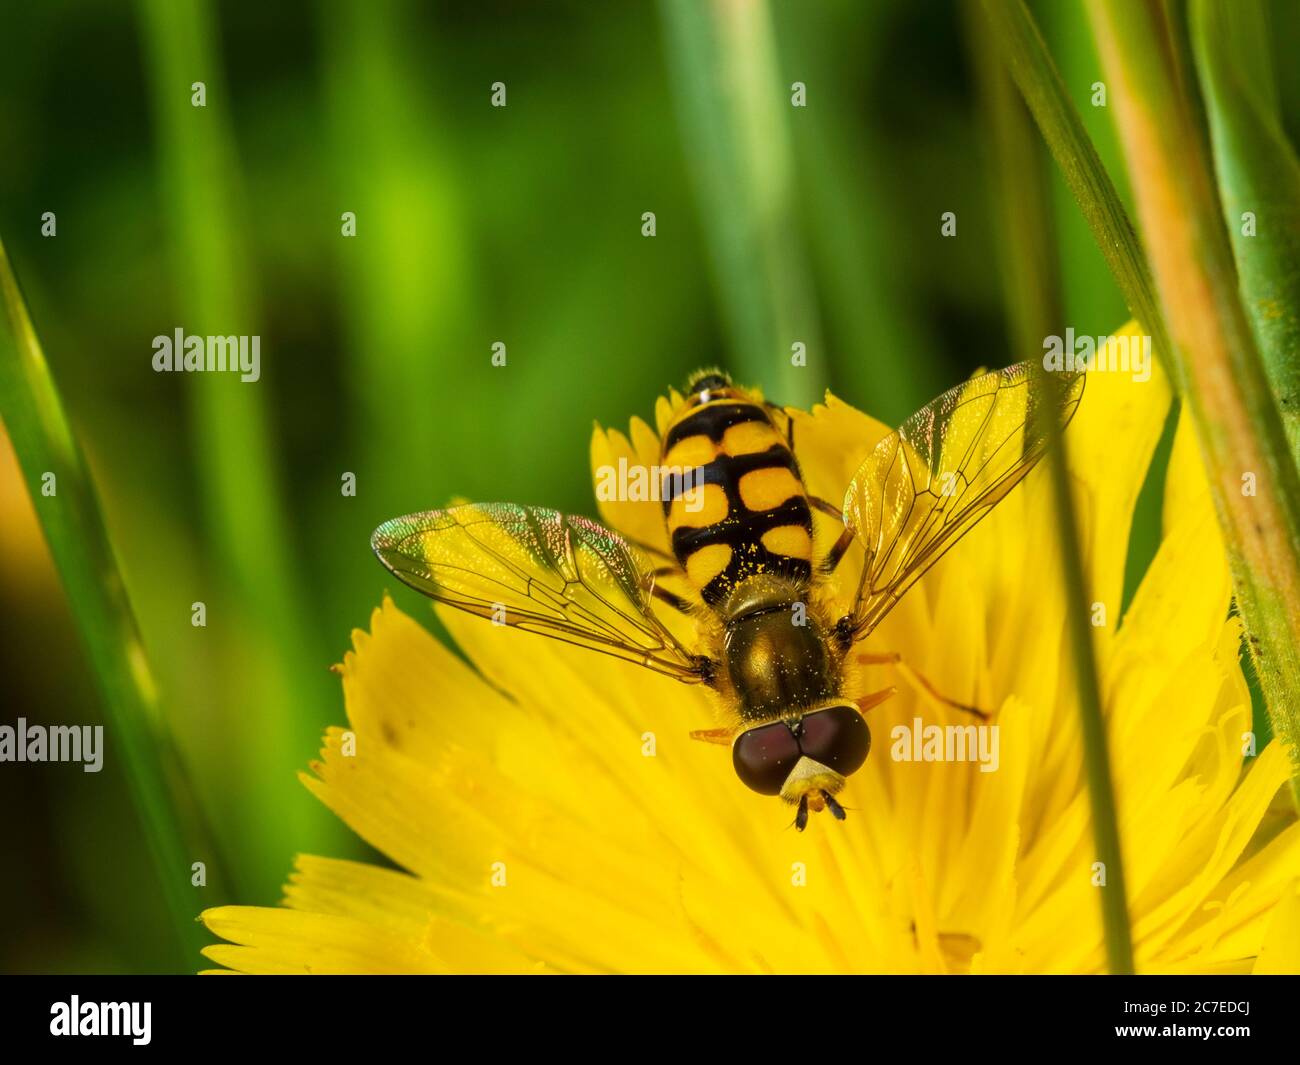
[{"x": 745, "y": 511}]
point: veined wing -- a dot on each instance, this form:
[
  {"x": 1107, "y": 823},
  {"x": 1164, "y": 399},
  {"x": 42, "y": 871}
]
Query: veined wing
[
  {"x": 927, "y": 484},
  {"x": 541, "y": 571}
]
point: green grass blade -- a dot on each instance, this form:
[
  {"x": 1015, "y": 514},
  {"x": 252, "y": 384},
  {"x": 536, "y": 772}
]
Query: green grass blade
[
  {"x": 74, "y": 528},
  {"x": 280, "y": 690},
  {"x": 1031, "y": 285},
  {"x": 1089, "y": 292},
  {"x": 1036, "y": 76},
  {"x": 406, "y": 279},
  {"x": 721, "y": 58},
  {"x": 1254, "y": 482},
  {"x": 1034, "y": 302},
  {"x": 887, "y": 359},
  {"x": 1258, "y": 174}
]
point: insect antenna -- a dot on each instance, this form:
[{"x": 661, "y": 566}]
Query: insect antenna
[
  {"x": 801, "y": 818},
  {"x": 834, "y": 807}
]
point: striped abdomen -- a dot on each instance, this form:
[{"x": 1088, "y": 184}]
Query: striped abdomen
[{"x": 751, "y": 515}]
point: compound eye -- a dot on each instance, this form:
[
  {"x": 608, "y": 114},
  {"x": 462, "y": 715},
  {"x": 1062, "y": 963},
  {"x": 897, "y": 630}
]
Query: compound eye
[
  {"x": 764, "y": 756},
  {"x": 837, "y": 737}
]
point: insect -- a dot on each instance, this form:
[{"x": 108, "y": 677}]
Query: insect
[{"x": 741, "y": 530}]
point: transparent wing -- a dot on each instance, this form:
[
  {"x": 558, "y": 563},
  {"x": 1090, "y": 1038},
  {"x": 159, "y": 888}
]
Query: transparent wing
[
  {"x": 541, "y": 571},
  {"x": 927, "y": 484}
]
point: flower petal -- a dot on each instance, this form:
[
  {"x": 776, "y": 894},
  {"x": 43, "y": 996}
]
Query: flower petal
[
  {"x": 639, "y": 520},
  {"x": 1110, "y": 444},
  {"x": 1280, "y": 951},
  {"x": 280, "y": 941}
]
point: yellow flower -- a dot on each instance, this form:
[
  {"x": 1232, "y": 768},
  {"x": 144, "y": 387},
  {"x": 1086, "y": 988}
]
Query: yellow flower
[{"x": 540, "y": 834}]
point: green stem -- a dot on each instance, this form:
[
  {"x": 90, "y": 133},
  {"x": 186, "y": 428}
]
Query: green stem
[
  {"x": 1036, "y": 76},
  {"x": 1253, "y": 481},
  {"x": 1033, "y": 299},
  {"x": 1258, "y": 173}
]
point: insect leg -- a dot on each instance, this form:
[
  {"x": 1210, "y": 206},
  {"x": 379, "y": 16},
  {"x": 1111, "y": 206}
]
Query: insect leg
[
  {"x": 672, "y": 599},
  {"x": 837, "y": 552},
  {"x": 866, "y": 702},
  {"x": 917, "y": 680},
  {"x": 789, "y": 422},
  {"x": 841, "y": 546},
  {"x": 801, "y": 818},
  {"x": 658, "y": 552},
  {"x": 835, "y": 808},
  {"x": 826, "y": 507}
]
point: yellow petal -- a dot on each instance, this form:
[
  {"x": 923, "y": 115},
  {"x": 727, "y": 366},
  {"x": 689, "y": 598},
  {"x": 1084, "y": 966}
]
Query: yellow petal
[
  {"x": 1109, "y": 445},
  {"x": 552, "y": 814},
  {"x": 641, "y": 520},
  {"x": 287, "y": 941},
  {"x": 1280, "y": 951}
]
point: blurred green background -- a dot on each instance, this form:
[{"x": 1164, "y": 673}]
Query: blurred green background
[{"x": 475, "y": 224}]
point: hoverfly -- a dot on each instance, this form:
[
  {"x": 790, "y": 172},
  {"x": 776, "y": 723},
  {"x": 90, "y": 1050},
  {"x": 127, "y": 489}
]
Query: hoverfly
[{"x": 747, "y": 553}]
